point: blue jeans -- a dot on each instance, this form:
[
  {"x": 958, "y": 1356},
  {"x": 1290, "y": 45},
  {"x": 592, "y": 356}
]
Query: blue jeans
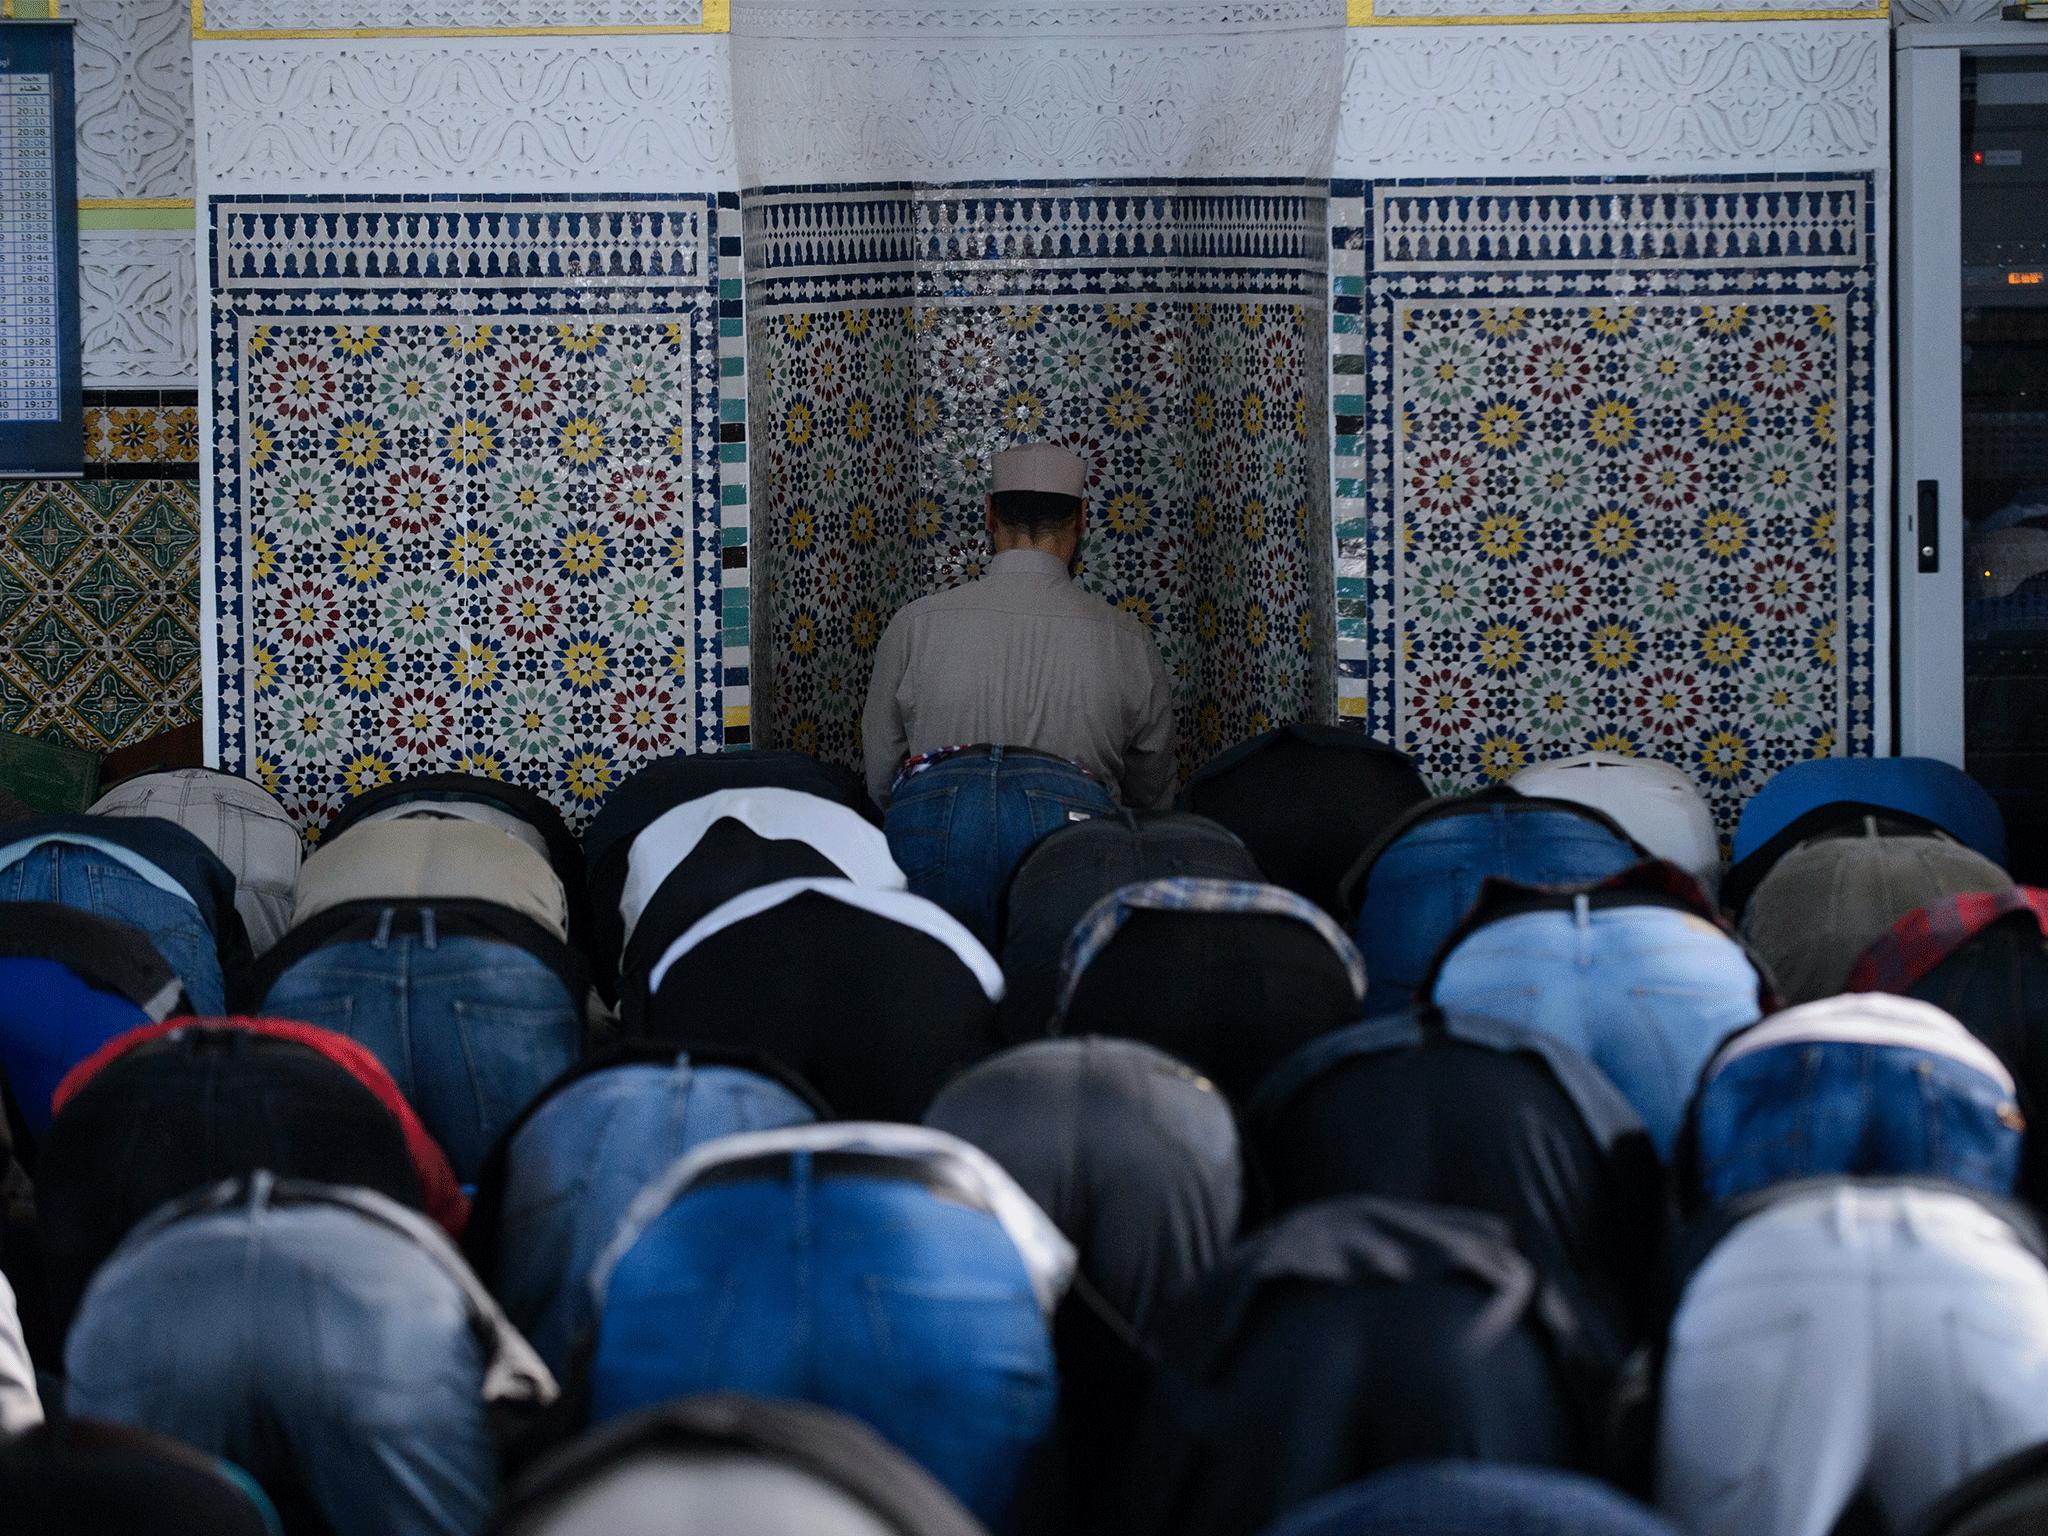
[
  {"x": 1424, "y": 883},
  {"x": 869, "y": 1295},
  {"x": 330, "y": 1357},
  {"x": 958, "y": 828},
  {"x": 576, "y": 1165},
  {"x": 470, "y": 1029},
  {"x": 1807, "y": 1108},
  {"x": 88, "y": 879},
  {"x": 1647, "y": 993},
  {"x": 1473, "y": 1498}
]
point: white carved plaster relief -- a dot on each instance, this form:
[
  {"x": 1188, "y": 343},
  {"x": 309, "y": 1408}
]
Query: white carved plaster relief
[
  {"x": 521, "y": 114},
  {"x": 1948, "y": 12},
  {"x": 1014, "y": 93},
  {"x": 1461, "y": 101},
  {"x": 133, "y": 65},
  {"x": 805, "y": 18},
  {"x": 316, "y": 15},
  {"x": 1512, "y": 8},
  {"x": 138, "y": 308}
]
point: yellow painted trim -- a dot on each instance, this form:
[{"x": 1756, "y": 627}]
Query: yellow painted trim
[
  {"x": 1359, "y": 13},
  {"x": 134, "y": 202},
  {"x": 717, "y": 18},
  {"x": 737, "y": 714}
]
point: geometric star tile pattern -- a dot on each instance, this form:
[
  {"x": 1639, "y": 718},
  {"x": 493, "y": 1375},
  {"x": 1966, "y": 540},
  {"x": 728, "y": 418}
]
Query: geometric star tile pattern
[
  {"x": 466, "y": 473},
  {"x": 1196, "y": 427},
  {"x": 99, "y": 609},
  {"x": 1627, "y": 511},
  {"x": 142, "y": 434},
  {"x": 1165, "y": 332},
  {"x": 471, "y": 545}
]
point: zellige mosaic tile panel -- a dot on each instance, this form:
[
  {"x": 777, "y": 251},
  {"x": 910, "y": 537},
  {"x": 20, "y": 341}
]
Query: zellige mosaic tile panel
[
  {"x": 467, "y": 544},
  {"x": 1169, "y": 334},
  {"x": 470, "y": 510},
  {"x": 99, "y": 609},
  {"x": 1625, "y": 509}
]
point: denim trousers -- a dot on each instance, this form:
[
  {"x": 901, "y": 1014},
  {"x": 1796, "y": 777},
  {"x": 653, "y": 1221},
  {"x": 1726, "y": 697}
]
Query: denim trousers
[
  {"x": 1885, "y": 1339},
  {"x": 957, "y": 828},
  {"x": 1425, "y": 882},
  {"x": 1647, "y": 993},
  {"x": 470, "y": 1029},
  {"x": 327, "y": 1355},
  {"x": 870, "y": 1295},
  {"x": 95, "y": 882},
  {"x": 576, "y": 1165},
  {"x": 1814, "y": 1107},
  {"x": 1473, "y": 1498}
]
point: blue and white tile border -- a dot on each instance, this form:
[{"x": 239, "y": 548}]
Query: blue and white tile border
[
  {"x": 1356, "y": 690},
  {"x": 735, "y": 715}
]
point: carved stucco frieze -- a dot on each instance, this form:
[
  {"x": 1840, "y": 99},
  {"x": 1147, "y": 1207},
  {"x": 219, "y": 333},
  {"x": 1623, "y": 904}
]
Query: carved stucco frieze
[
  {"x": 138, "y": 301},
  {"x": 806, "y": 18},
  {"x": 138, "y": 298},
  {"x": 1008, "y": 93},
  {"x": 133, "y": 66},
  {"x": 1947, "y": 12},
  {"x": 316, "y": 15},
  {"x": 1427, "y": 101},
  {"x": 1509, "y": 10},
  {"x": 465, "y": 114}
]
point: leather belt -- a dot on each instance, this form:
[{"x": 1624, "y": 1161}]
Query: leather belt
[
  {"x": 932, "y": 1173},
  {"x": 916, "y": 765}
]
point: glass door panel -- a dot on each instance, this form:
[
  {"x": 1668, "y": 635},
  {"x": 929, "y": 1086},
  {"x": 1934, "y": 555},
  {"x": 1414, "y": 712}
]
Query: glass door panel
[{"x": 2004, "y": 257}]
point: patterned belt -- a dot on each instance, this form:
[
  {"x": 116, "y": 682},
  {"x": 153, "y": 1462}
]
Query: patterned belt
[{"x": 912, "y": 766}]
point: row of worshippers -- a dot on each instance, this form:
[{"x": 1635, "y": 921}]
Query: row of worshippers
[
  {"x": 1363, "y": 1119},
  {"x": 1281, "y": 1147}
]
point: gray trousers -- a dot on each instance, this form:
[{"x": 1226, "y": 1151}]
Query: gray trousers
[{"x": 1889, "y": 1339}]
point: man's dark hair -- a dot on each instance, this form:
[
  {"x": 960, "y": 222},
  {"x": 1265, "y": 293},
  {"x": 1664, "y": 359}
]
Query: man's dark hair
[{"x": 1039, "y": 512}]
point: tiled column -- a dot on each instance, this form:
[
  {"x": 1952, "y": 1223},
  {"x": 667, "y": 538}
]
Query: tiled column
[
  {"x": 1608, "y": 368},
  {"x": 466, "y": 492}
]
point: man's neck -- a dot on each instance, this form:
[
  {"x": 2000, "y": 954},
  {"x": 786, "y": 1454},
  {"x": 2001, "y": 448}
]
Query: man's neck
[
  {"x": 1005, "y": 542},
  {"x": 1052, "y": 558}
]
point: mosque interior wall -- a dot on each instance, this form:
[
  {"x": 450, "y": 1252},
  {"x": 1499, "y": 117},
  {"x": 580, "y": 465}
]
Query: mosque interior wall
[
  {"x": 1609, "y": 380},
  {"x": 1105, "y": 227},
  {"x": 1301, "y": 290},
  {"x": 467, "y": 501},
  {"x": 99, "y": 578}
]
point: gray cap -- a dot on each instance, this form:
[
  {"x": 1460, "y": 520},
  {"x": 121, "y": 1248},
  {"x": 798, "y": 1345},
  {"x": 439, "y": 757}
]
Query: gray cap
[{"x": 1831, "y": 897}]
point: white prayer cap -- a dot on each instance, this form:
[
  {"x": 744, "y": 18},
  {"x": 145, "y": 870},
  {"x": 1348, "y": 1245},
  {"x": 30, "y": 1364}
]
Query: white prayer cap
[{"x": 1040, "y": 467}]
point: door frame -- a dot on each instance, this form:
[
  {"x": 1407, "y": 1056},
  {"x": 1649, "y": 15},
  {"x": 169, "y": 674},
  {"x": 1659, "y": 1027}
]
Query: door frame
[{"x": 1928, "y": 167}]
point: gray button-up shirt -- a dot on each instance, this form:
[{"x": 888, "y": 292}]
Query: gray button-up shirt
[{"x": 1026, "y": 658}]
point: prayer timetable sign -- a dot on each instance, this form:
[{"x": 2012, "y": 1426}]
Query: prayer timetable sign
[
  {"x": 41, "y": 409},
  {"x": 30, "y": 384}
]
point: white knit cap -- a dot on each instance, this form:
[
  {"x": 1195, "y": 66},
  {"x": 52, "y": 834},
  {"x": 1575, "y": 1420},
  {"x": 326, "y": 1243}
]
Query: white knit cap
[{"x": 1040, "y": 467}]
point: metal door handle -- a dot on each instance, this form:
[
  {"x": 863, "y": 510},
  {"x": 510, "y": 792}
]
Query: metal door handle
[{"x": 1927, "y": 527}]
